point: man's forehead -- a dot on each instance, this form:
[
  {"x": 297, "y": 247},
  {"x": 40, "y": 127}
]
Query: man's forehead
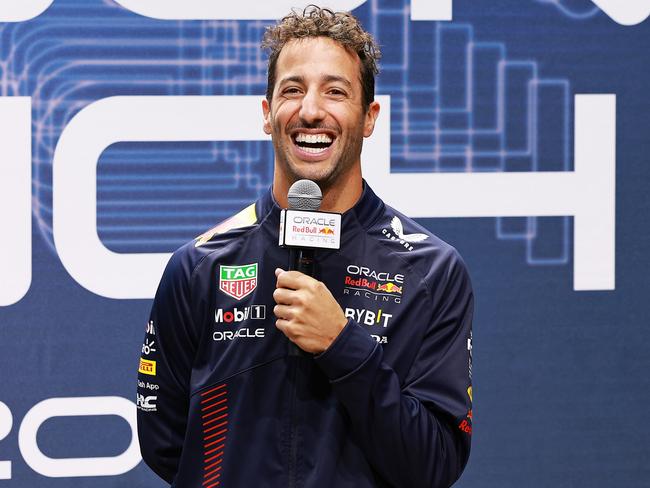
[{"x": 319, "y": 57}]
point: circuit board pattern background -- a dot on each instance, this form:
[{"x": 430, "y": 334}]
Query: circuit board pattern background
[
  {"x": 559, "y": 377},
  {"x": 459, "y": 103}
]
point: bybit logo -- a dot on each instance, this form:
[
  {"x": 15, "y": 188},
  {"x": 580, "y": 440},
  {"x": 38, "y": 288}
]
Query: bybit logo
[{"x": 369, "y": 317}]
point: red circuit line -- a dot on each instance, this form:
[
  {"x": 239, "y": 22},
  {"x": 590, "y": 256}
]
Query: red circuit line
[
  {"x": 219, "y": 454},
  {"x": 216, "y": 441},
  {"x": 212, "y": 405},
  {"x": 206, "y": 400},
  {"x": 205, "y": 431},
  {"x": 210, "y": 473},
  {"x": 210, "y": 466},
  {"x": 225, "y": 407},
  {"x": 218, "y": 475},
  {"x": 218, "y": 448},
  {"x": 214, "y": 414},
  {"x": 207, "y": 437},
  {"x": 213, "y": 389}
]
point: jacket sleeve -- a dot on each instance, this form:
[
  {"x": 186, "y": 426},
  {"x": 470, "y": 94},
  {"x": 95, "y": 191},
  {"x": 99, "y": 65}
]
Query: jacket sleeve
[
  {"x": 165, "y": 366},
  {"x": 414, "y": 434}
]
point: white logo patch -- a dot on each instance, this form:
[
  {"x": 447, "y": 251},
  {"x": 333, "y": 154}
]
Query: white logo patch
[{"x": 398, "y": 229}]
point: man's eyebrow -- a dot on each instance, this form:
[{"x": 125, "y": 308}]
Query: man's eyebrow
[
  {"x": 331, "y": 78},
  {"x": 292, "y": 79},
  {"x": 326, "y": 79}
]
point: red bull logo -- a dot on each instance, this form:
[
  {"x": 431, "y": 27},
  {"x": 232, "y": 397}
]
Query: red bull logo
[
  {"x": 466, "y": 427},
  {"x": 361, "y": 283},
  {"x": 390, "y": 288},
  {"x": 466, "y": 424},
  {"x": 326, "y": 231}
]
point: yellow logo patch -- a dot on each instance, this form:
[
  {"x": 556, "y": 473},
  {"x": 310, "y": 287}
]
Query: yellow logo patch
[{"x": 147, "y": 367}]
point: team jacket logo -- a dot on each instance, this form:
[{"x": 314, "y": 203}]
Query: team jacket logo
[
  {"x": 466, "y": 424},
  {"x": 147, "y": 367},
  {"x": 243, "y": 333},
  {"x": 148, "y": 347},
  {"x": 398, "y": 235},
  {"x": 373, "y": 285},
  {"x": 255, "y": 312},
  {"x": 148, "y": 386},
  {"x": 151, "y": 330},
  {"x": 396, "y": 225},
  {"x": 362, "y": 278},
  {"x": 147, "y": 403},
  {"x": 238, "y": 281},
  {"x": 368, "y": 317}
]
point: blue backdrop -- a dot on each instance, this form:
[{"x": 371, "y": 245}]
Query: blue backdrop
[{"x": 560, "y": 375}]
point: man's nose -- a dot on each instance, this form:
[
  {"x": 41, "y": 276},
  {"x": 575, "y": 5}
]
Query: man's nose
[{"x": 311, "y": 109}]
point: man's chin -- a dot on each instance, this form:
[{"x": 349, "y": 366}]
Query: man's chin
[{"x": 322, "y": 175}]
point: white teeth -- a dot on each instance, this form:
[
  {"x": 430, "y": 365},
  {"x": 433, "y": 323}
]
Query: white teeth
[
  {"x": 313, "y": 150},
  {"x": 313, "y": 138}
]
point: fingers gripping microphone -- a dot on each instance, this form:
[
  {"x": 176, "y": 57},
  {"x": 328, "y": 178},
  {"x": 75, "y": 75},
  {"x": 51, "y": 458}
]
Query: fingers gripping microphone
[{"x": 303, "y": 195}]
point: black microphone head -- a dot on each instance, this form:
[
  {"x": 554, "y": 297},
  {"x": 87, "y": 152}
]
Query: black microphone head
[{"x": 304, "y": 195}]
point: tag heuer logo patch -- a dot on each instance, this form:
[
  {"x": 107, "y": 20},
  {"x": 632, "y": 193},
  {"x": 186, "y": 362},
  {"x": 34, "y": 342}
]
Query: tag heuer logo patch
[{"x": 238, "y": 281}]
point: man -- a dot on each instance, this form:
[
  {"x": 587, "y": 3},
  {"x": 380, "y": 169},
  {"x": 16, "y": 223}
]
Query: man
[{"x": 382, "y": 395}]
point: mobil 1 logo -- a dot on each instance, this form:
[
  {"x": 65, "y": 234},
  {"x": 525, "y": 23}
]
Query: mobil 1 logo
[{"x": 228, "y": 316}]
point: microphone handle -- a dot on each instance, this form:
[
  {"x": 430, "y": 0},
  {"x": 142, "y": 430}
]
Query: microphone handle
[{"x": 301, "y": 259}]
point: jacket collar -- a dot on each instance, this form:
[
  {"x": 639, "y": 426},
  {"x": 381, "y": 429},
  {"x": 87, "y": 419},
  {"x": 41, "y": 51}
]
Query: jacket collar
[{"x": 365, "y": 212}]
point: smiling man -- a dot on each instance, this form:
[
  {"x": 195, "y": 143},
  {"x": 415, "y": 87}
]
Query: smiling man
[
  {"x": 318, "y": 114},
  {"x": 382, "y": 397}
]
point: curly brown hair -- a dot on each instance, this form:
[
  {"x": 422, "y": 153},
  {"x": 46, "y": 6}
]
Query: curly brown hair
[{"x": 341, "y": 27}]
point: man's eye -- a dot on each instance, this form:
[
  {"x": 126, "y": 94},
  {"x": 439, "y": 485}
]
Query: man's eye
[{"x": 291, "y": 91}]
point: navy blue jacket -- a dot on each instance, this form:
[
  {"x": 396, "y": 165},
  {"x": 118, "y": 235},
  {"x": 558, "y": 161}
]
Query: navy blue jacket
[{"x": 223, "y": 402}]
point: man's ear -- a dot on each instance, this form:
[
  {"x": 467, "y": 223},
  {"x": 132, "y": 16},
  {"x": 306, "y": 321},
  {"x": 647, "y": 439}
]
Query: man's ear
[
  {"x": 266, "y": 110},
  {"x": 370, "y": 118}
]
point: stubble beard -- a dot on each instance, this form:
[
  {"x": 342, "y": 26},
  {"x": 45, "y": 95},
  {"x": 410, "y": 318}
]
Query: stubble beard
[{"x": 327, "y": 177}]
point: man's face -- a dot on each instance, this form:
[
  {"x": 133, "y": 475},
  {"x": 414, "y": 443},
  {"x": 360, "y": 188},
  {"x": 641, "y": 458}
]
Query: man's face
[{"x": 316, "y": 118}]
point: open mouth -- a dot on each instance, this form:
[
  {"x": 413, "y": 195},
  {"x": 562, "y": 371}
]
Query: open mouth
[{"x": 313, "y": 143}]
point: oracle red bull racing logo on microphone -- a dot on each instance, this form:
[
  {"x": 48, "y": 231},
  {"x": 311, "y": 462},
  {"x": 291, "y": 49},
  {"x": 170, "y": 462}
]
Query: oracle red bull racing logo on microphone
[
  {"x": 238, "y": 281},
  {"x": 301, "y": 228}
]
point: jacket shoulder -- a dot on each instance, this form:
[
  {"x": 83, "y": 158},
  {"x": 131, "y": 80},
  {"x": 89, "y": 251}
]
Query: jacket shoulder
[
  {"x": 244, "y": 218},
  {"x": 189, "y": 256},
  {"x": 433, "y": 259}
]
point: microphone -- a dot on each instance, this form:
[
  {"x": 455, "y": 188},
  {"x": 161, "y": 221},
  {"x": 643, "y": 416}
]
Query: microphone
[
  {"x": 303, "y": 195},
  {"x": 303, "y": 229}
]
